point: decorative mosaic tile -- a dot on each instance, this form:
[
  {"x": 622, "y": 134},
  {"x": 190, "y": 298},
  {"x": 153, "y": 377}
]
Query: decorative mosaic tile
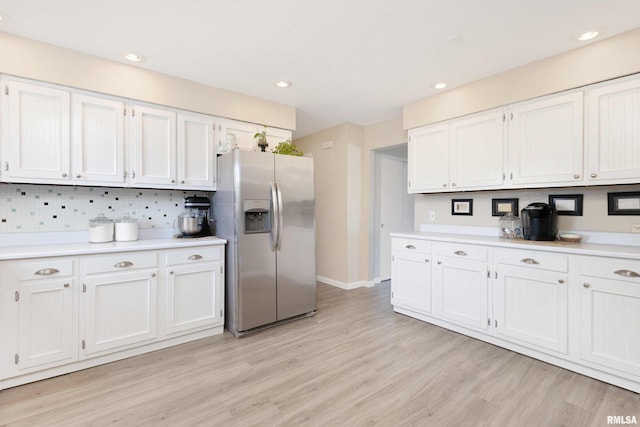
[{"x": 41, "y": 208}]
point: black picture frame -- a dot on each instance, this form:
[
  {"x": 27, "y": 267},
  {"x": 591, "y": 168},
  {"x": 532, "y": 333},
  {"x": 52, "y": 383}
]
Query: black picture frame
[
  {"x": 567, "y": 204},
  {"x": 462, "y": 207},
  {"x": 626, "y": 203},
  {"x": 498, "y": 207}
]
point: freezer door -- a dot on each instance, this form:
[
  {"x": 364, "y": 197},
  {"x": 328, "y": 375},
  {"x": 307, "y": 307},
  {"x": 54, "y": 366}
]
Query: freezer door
[
  {"x": 256, "y": 258},
  {"x": 296, "y": 258}
]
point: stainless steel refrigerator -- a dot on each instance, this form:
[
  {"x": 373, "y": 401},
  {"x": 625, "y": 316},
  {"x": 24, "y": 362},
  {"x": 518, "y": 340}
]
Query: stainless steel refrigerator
[{"x": 264, "y": 207}]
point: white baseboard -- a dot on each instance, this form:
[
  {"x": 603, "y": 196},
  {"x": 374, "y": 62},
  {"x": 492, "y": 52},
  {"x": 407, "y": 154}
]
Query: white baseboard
[{"x": 346, "y": 286}]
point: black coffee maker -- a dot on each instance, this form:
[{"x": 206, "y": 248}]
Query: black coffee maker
[{"x": 539, "y": 222}]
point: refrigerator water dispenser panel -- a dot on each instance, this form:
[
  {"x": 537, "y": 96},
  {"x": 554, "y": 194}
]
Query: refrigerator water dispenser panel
[{"x": 257, "y": 216}]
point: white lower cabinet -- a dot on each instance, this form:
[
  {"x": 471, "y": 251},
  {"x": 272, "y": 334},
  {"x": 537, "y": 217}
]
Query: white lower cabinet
[
  {"x": 530, "y": 307},
  {"x": 610, "y": 313},
  {"x": 577, "y": 311},
  {"x": 460, "y": 292},
  {"x": 194, "y": 289},
  {"x": 62, "y": 314}
]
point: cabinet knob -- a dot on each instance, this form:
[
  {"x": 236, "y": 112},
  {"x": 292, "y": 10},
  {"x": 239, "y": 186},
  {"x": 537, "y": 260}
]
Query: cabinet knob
[
  {"x": 444, "y": 185},
  {"x": 153, "y": 274},
  {"x": 64, "y": 174},
  {"x": 426, "y": 260},
  {"x": 576, "y": 176},
  {"x": 560, "y": 281},
  {"x": 439, "y": 262},
  {"x": 78, "y": 175},
  {"x": 593, "y": 175},
  {"x": 66, "y": 285},
  {"x": 586, "y": 285},
  {"x": 182, "y": 182},
  {"x": 173, "y": 181},
  {"x": 171, "y": 272},
  {"x": 453, "y": 184}
]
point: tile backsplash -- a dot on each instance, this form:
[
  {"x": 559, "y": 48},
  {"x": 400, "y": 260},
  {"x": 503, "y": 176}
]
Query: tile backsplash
[{"x": 45, "y": 208}]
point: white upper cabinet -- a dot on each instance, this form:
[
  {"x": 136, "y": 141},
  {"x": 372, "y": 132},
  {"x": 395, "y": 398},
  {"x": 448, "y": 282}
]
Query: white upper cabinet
[
  {"x": 428, "y": 159},
  {"x": 275, "y": 136},
  {"x": 478, "y": 151},
  {"x": 196, "y": 151},
  {"x": 613, "y": 133},
  {"x": 235, "y": 134},
  {"x": 97, "y": 140},
  {"x": 35, "y": 133},
  {"x": 153, "y": 147},
  {"x": 545, "y": 141}
]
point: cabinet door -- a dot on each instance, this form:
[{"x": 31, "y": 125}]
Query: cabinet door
[
  {"x": 46, "y": 331},
  {"x": 194, "y": 296},
  {"x": 237, "y": 135},
  {"x": 196, "y": 152},
  {"x": 530, "y": 307},
  {"x": 609, "y": 321},
  {"x": 35, "y": 130},
  {"x": 428, "y": 159},
  {"x": 460, "y": 292},
  {"x": 153, "y": 147},
  {"x": 275, "y": 136},
  {"x": 478, "y": 151},
  {"x": 613, "y": 135},
  {"x": 545, "y": 141},
  {"x": 411, "y": 281},
  {"x": 97, "y": 140},
  {"x": 119, "y": 311}
]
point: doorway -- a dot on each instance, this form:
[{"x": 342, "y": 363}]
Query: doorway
[{"x": 393, "y": 207}]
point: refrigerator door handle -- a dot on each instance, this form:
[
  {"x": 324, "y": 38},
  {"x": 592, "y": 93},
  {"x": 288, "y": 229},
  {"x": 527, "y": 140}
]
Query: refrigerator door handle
[
  {"x": 280, "y": 218},
  {"x": 276, "y": 226}
]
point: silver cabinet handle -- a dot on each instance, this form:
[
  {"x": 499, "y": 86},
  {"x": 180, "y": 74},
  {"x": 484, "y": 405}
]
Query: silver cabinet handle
[
  {"x": 453, "y": 184},
  {"x": 153, "y": 274},
  {"x": 66, "y": 285},
  {"x": 171, "y": 272},
  {"x": 626, "y": 273},
  {"x": 426, "y": 260},
  {"x": 64, "y": 175},
  {"x": 460, "y": 253},
  {"x": 410, "y": 247},
  {"x": 123, "y": 264},
  {"x": 529, "y": 261},
  {"x": 593, "y": 175},
  {"x": 560, "y": 281},
  {"x": 173, "y": 181},
  {"x": 78, "y": 175},
  {"x": 182, "y": 182},
  {"x": 439, "y": 262},
  {"x": 586, "y": 285},
  {"x": 194, "y": 257},
  {"x": 47, "y": 271},
  {"x": 444, "y": 185},
  {"x": 133, "y": 174},
  {"x": 576, "y": 176}
]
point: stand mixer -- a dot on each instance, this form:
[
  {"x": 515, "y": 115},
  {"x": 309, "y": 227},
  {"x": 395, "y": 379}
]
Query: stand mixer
[{"x": 202, "y": 205}]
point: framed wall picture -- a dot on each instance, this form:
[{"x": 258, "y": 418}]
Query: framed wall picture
[
  {"x": 567, "y": 204},
  {"x": 500, "y": 207},
  {"x": 461, "y": 206},
  {"x": 627, "y": 203}
]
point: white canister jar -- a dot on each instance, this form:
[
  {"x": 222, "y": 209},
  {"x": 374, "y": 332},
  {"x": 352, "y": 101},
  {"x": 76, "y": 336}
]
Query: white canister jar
[
  {"x": 126, "y": 229},
  {"x": 100, "y": 229}
]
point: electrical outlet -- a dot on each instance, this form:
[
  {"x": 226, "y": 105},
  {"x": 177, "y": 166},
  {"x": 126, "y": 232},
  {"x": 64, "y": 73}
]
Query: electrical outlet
[
  {"x": 432, "y": 216},
  {"x": 635, "y": 228}
]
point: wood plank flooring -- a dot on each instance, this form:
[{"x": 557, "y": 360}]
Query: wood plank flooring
[{"x": 356, "y": 363}]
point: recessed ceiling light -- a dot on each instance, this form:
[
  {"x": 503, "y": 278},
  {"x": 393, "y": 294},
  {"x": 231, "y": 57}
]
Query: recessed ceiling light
[
  {"x": 588, "y": 35},
  {"x": 133, "y": 57},
  {"x": 283, "y": 83},
  {"x": 439, "y": 85}
]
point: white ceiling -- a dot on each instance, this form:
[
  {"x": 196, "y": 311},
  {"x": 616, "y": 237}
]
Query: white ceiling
[{"x": 354, "y": 61}]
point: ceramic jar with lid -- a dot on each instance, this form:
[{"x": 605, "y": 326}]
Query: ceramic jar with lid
[
  {"x": 126, "y": 229},
  {"x": 100, "y": 229}
]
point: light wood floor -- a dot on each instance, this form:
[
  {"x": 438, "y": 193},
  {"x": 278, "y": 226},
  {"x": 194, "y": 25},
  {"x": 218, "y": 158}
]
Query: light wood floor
[{"x": 354, "y": 364}]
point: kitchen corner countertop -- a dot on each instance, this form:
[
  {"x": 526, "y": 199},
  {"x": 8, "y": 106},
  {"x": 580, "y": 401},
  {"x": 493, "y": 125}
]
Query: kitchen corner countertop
[
  {"x": 56, "y": 248},
  {"x": 593, "y": 249}
]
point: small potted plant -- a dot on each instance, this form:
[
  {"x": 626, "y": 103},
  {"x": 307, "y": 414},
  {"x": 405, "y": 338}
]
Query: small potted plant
[
  {"x": 287, "y": 147},
  {"x": 262, "y": 139}
]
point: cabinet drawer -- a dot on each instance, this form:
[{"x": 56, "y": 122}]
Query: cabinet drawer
[
  {"x": 411, "y": 245},
  {"x": 468, "y": 252},
  {"x": 611, "y": 268},
  {"x": 538, "y": 260},
  {"x": 194, "y": 254},
  {"x": 45, "y": 268},
  {"x": 121, "y": 262}
]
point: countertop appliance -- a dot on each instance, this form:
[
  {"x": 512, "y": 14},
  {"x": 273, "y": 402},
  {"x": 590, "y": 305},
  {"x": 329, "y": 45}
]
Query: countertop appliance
[
  {"x": 264, "y": 207},
  {"x": 194, "y": 222},
  {"x": 539, "y": 222}
]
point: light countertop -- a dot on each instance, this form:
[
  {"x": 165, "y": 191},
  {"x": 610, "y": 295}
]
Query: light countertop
[
  {"x": 609, "y": 249},
  {"x": 68, "y": 245}
]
